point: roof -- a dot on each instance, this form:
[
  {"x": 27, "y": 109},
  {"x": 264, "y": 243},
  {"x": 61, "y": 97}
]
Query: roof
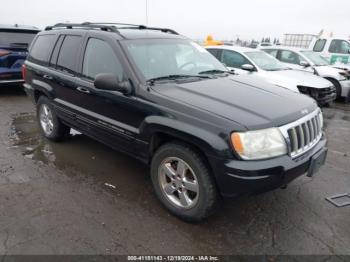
[
  {"x": 19, "y": 27},
  {"x": 234, "y": 48},
  {"x": 279, "y": 47}
]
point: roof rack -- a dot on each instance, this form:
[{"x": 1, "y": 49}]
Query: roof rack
[
  {"x": 113, "y": 27},
  {"x": 83, "y": 25}
]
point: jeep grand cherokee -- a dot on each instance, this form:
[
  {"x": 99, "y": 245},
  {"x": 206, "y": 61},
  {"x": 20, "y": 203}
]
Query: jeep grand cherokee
[{"x": 161, "y": 98}]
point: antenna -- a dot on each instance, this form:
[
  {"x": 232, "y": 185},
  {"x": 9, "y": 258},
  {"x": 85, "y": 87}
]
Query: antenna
[{"x": 146, "y": 12}]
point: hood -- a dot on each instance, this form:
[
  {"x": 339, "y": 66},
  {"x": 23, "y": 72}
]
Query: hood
[
  {"x": 328, "y": 71},
  {"x": 293, "y": 78},
  {"x": 247, "y": 100}
]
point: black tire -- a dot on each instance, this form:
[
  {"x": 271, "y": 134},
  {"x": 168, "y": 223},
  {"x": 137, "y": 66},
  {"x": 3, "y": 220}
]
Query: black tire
[
  {"x": 59, "y": 130},
  {"x": 337, "y": 87},
  {"x": 208, "y": 197}
]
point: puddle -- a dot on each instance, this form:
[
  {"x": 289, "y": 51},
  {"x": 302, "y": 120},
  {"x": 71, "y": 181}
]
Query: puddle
[{"x": 84, "y": 157}]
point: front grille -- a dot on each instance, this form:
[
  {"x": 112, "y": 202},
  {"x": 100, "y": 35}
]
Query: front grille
[{"x": 303, "y": 134}]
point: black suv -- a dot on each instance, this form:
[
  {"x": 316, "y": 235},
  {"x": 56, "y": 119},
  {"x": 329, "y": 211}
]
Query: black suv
[{"x": 164, "y": 100}]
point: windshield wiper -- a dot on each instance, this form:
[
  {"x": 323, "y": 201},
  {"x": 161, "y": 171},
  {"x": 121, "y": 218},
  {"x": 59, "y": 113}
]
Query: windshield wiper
[
  {"x": 174, "y": 77},
  {"x": 213, "y": 71}
]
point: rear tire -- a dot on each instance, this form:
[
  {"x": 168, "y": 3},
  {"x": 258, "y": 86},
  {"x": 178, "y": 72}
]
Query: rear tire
[
  {"x": 50, "y": 125},
  {"x": 183, "y": 182},
  {"x": 337, "y": 87}
]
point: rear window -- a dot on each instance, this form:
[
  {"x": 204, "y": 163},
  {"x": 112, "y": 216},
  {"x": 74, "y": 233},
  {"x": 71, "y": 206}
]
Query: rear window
[
  {"x": 14, "y": 38},
  {"x": 68, "y": 54},
  {"x": 319, "y": 45},
  {"x": 42, "y": 48}
]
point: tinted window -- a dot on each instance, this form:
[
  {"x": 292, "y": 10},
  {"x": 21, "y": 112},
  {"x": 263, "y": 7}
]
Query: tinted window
[
  {"x": 56, "y": 49},
  {"x": 271, "y": 52},
  {"x": 42, "y": 48},
  {"x": 214, "y": 52},
  {"x": 339, "y": 46},
  {"x": 69, "y": 53},
  {"x": 100, "y": 58},
  {"x": 233, "y": 59},
  {"x": 290, "y": 57},
  {"x": 319, "y": 45},
  {"x": 12, "y": 37}
]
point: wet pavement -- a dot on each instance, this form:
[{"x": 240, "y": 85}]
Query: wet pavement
[{"x": 80, "y": 197}]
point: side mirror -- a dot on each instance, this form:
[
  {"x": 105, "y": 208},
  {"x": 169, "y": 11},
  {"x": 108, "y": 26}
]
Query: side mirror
[
  {"x": 304, "y": 64},
  {"x": 111, "y": 83},
  {"x": 248, "y": 67}
]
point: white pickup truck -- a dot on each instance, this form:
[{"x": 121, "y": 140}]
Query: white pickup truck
[{"x": 335, "y": 50}]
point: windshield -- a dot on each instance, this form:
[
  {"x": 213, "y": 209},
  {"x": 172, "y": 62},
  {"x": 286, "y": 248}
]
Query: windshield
[
  {"x": 266, "y": 61},
  {"x": 16, "y": 37},
  {"x": 315, "y": 58},
  {"x": 169, "y": 57}
]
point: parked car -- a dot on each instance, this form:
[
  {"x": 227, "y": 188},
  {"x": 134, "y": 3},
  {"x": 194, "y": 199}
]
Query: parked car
[
  {"x": 310, "y": 61},
  {"x": 14, "y": 42},
  {"x": 163, "y": 99},
  {"x": 244, "y": 60},
  {"x": 335, "y": 50}
]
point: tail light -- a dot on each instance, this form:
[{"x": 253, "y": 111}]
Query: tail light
[
  {"x": 4, "y": 52},
  {"x": 24, "y": 71}
]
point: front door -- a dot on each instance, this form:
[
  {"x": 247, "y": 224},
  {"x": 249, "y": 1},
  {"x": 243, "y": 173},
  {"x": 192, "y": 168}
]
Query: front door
[{"x": 111, "y": 116}]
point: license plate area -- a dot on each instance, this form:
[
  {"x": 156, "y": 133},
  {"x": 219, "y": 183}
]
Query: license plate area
[{"x": 317, "y": 161}]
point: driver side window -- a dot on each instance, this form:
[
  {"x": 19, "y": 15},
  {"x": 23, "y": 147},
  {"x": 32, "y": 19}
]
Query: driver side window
[
  {"x": 100, "y": 58},
  {"x": 290, "y": 57},
  {"x": 233, "y": 59}
]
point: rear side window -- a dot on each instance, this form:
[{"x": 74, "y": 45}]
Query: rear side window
[
  {"x": 214, "y": 52},
  {"x": 69, "y": 53},
  {"x": 42, "y": 47},
  {"x": 100, "y": 58},
  {"x": 319, "y": 45}
]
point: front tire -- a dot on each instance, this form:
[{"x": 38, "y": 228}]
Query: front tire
[
  {"x": 337, "y": 87},
  {"x": 51, "y": 127},
  {"x": 183, "y": 182}
]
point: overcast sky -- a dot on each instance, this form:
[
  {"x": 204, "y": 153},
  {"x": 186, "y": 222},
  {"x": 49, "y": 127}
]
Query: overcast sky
[{"x": 224, "y": 19}]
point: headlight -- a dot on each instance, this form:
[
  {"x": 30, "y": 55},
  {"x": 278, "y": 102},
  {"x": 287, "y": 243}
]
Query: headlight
[
  {"x": 321, "y": 119},
  {"x": 344, "y": 75},
  {"x": 260, "y": 144}
]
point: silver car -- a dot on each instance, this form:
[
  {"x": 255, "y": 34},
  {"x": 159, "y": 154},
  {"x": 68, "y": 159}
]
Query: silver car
[
  {"x": 244, "y": 60},
  {"x": 309, "y": 61}
]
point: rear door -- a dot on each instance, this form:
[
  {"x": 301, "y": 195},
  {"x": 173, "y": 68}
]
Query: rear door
[{"x": 63, "y": 75}]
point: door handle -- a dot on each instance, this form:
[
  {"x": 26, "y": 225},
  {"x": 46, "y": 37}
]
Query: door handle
[
  {"x": 83, "y": 90},
  {"x": 47, "y": 77}
]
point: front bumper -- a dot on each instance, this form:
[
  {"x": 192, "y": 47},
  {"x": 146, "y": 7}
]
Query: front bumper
[
  {"x": 345, "y": 87},
  {"x": 235, "y": 177},
  {"x": 322, "y": 96}
]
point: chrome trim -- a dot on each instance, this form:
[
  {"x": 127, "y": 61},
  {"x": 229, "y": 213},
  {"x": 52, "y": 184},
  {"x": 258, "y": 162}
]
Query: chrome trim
[
  {"x": 11, "y": 81},
  {"x": 310, "y": 133}
]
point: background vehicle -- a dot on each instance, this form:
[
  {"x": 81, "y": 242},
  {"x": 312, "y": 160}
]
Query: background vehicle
[
  {"x": 309, "y": 61},
  {"x": 14, "y": 42},
  {"x": 255, "y": 62},
  {"x": 166, "y": 101},
  {"x": 335, "y": 50}
]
